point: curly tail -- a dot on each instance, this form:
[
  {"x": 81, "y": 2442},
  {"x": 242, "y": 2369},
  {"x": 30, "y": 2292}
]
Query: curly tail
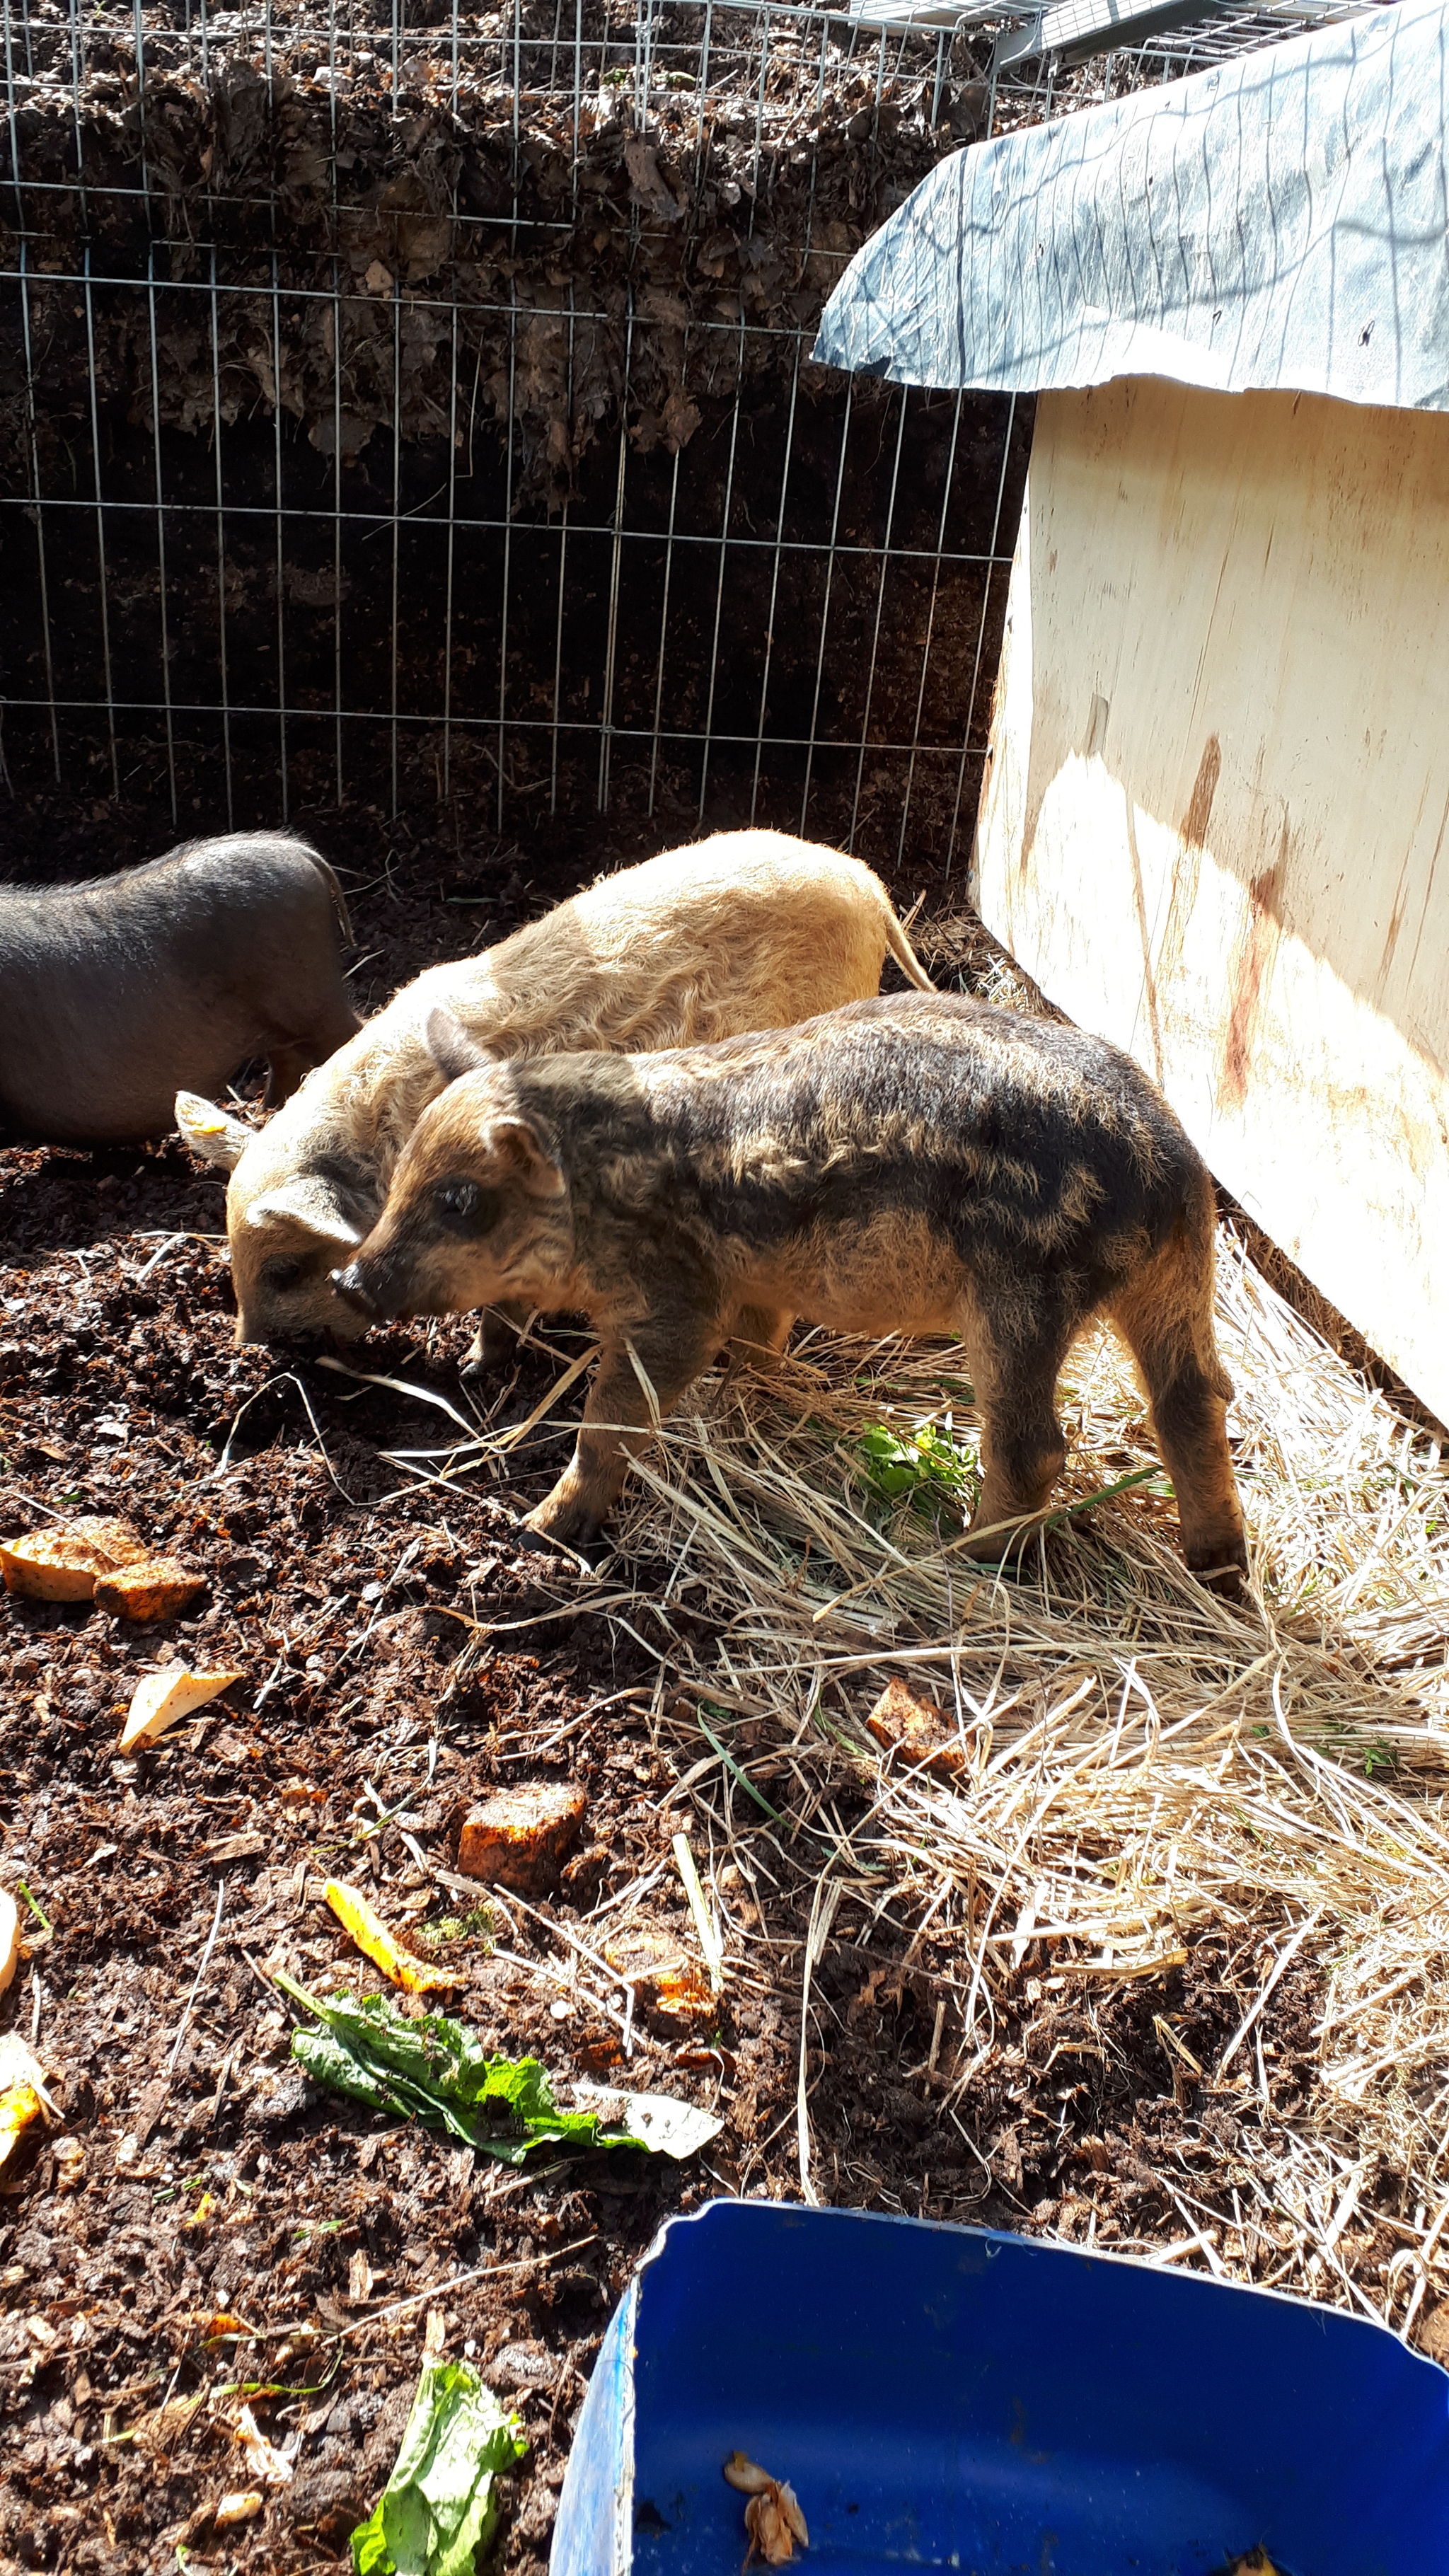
[
  {"x": 339, "y": 899},
  {"x": 905, "y": 955}
]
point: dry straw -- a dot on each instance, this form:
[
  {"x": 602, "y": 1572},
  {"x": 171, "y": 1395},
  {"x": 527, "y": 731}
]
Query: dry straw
[{"x": 1142, "y": 1762}]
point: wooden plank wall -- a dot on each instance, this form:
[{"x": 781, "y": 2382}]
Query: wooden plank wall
[{"x": 1214, "y": 814}]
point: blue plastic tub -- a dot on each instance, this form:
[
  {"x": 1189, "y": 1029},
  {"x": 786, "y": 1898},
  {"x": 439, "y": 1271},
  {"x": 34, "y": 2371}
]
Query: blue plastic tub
[{"x": 950, "y": 2397}]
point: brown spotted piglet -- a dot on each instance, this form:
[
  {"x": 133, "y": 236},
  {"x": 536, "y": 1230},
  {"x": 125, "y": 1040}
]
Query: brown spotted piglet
[{"x": 920, "y": 1164}]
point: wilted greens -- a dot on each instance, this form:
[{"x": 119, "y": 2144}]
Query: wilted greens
[
  {"x": 441, "y": 2501},
  {"x": 435, "y": 2070}
]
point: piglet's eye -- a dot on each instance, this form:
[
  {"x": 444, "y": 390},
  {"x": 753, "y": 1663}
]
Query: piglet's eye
[{"x": 462, "y": 1204}]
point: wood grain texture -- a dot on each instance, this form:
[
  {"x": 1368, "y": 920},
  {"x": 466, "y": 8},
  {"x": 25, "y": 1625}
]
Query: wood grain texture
[{"x": 1215, "y": 808}]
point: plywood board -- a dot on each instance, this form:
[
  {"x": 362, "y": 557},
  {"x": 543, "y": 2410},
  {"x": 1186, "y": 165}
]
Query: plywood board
[{"x": 1214, "y": 813}]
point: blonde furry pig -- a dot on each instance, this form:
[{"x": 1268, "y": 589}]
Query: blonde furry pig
[{"x": 746, "y": 930}]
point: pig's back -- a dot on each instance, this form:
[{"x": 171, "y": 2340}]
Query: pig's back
[{"x": 1000, "y": 1129}]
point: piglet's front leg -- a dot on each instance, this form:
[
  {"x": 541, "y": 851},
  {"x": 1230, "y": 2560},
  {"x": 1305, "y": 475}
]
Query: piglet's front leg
[{"x": 618, "y": 1420}]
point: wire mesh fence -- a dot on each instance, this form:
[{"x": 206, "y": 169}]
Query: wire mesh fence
[{"x": 400, "y": 403}]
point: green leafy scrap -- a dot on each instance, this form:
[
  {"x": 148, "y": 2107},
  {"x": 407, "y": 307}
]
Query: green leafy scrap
[
  {"x": 439, "y": 2506},
  {"x": 435, "y": 2070},
  {"x": 926, "y": 1469}
]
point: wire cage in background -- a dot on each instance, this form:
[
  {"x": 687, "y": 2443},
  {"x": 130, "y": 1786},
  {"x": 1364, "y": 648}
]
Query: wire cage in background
[{"x": 401, "y": 405}]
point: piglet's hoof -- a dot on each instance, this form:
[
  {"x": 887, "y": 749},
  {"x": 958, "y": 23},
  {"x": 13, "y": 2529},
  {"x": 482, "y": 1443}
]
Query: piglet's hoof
[
  {"x": 563, "y": 1527},
  {"x": 1225, "y": 1580}
]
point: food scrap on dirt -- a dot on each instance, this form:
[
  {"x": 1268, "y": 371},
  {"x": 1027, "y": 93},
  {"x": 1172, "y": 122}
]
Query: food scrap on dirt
[
  {"x": 364, "y": 1925},
  {"x": 270, "y": 2466},
  {"x": 65, "y": 1563},
  {"x": 902, "y": 1723},
  {"x": 161, "y": 1700},
  {"x": 243, "y": 2506},
  {"x": 157, "y": 1587},
  {"x": 433, "y": 2069},
  {"x": 22, "y": 2093},
  {"x": 439, "y": 2506},
  {"x": 9, "y": 1938},
  {"x": 773, "y": 2517},
  {"x": 522, "y": 1837}
]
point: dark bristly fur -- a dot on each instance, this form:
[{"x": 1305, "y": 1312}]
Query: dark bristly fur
[{"x": 922, "y": 1164}]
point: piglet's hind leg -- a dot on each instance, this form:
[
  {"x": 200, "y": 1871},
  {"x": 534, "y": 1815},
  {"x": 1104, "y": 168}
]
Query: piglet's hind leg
[
  {"x": 1022, "y": 1449},
  {"x": 1165, "y": 1315}
]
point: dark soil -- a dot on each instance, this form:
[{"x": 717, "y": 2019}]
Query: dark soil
[{"x": 207, "y": 2179}]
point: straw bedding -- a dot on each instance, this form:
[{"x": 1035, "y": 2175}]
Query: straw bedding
[{"x": 1156, "y": 1788}]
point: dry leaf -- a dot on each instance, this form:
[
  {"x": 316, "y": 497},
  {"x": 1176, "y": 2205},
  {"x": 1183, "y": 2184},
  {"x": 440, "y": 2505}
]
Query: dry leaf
[
  {"x": 359, "y": 2276},
  {"x": 9, "y": 1938},
  {"x": 168, "y": 2425},
  {"x": 241, "y": 2507},
  {"x": 159, "y": 1587},
  {"x": 63, "y": 1564},
  {"x": 773, "y": 2517},
  {"x": 374, "y": 1940},
  {"x": 162, "y": 1699}
]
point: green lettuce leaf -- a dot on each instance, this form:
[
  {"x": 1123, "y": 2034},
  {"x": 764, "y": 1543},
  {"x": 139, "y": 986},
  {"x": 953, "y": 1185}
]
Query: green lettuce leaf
[
  {"x": 441, "y": 2501},
  {"x": 436, "y": 2071}
]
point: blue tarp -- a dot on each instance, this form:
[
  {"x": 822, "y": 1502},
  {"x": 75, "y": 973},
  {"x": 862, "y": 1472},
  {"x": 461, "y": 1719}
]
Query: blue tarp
[{"x": 1281, "y": 220}]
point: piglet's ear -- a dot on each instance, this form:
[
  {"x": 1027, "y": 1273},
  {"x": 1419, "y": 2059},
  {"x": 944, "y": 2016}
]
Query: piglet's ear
[
  {"x": 451, "y": 1048},
  {"x": 310, "y": 1203},
  {"x": 212, "y": 1133},
  {"x": 520, "y": 1145}
]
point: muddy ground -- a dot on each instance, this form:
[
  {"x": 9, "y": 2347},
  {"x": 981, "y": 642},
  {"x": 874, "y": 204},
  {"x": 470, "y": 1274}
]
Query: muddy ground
[{"x": 205, "y": 2179}]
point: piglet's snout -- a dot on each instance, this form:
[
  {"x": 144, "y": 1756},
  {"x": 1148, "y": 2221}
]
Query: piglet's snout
[{"x": 353, "y": 1291}]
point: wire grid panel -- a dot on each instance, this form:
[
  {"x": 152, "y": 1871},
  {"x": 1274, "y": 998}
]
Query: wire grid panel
[
  {"x": 419, "y": 407},
  {"x": 404, "y": 404}
]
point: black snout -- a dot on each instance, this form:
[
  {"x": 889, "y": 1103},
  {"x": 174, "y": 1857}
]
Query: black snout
[{"x": 349, "y": 1287}]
